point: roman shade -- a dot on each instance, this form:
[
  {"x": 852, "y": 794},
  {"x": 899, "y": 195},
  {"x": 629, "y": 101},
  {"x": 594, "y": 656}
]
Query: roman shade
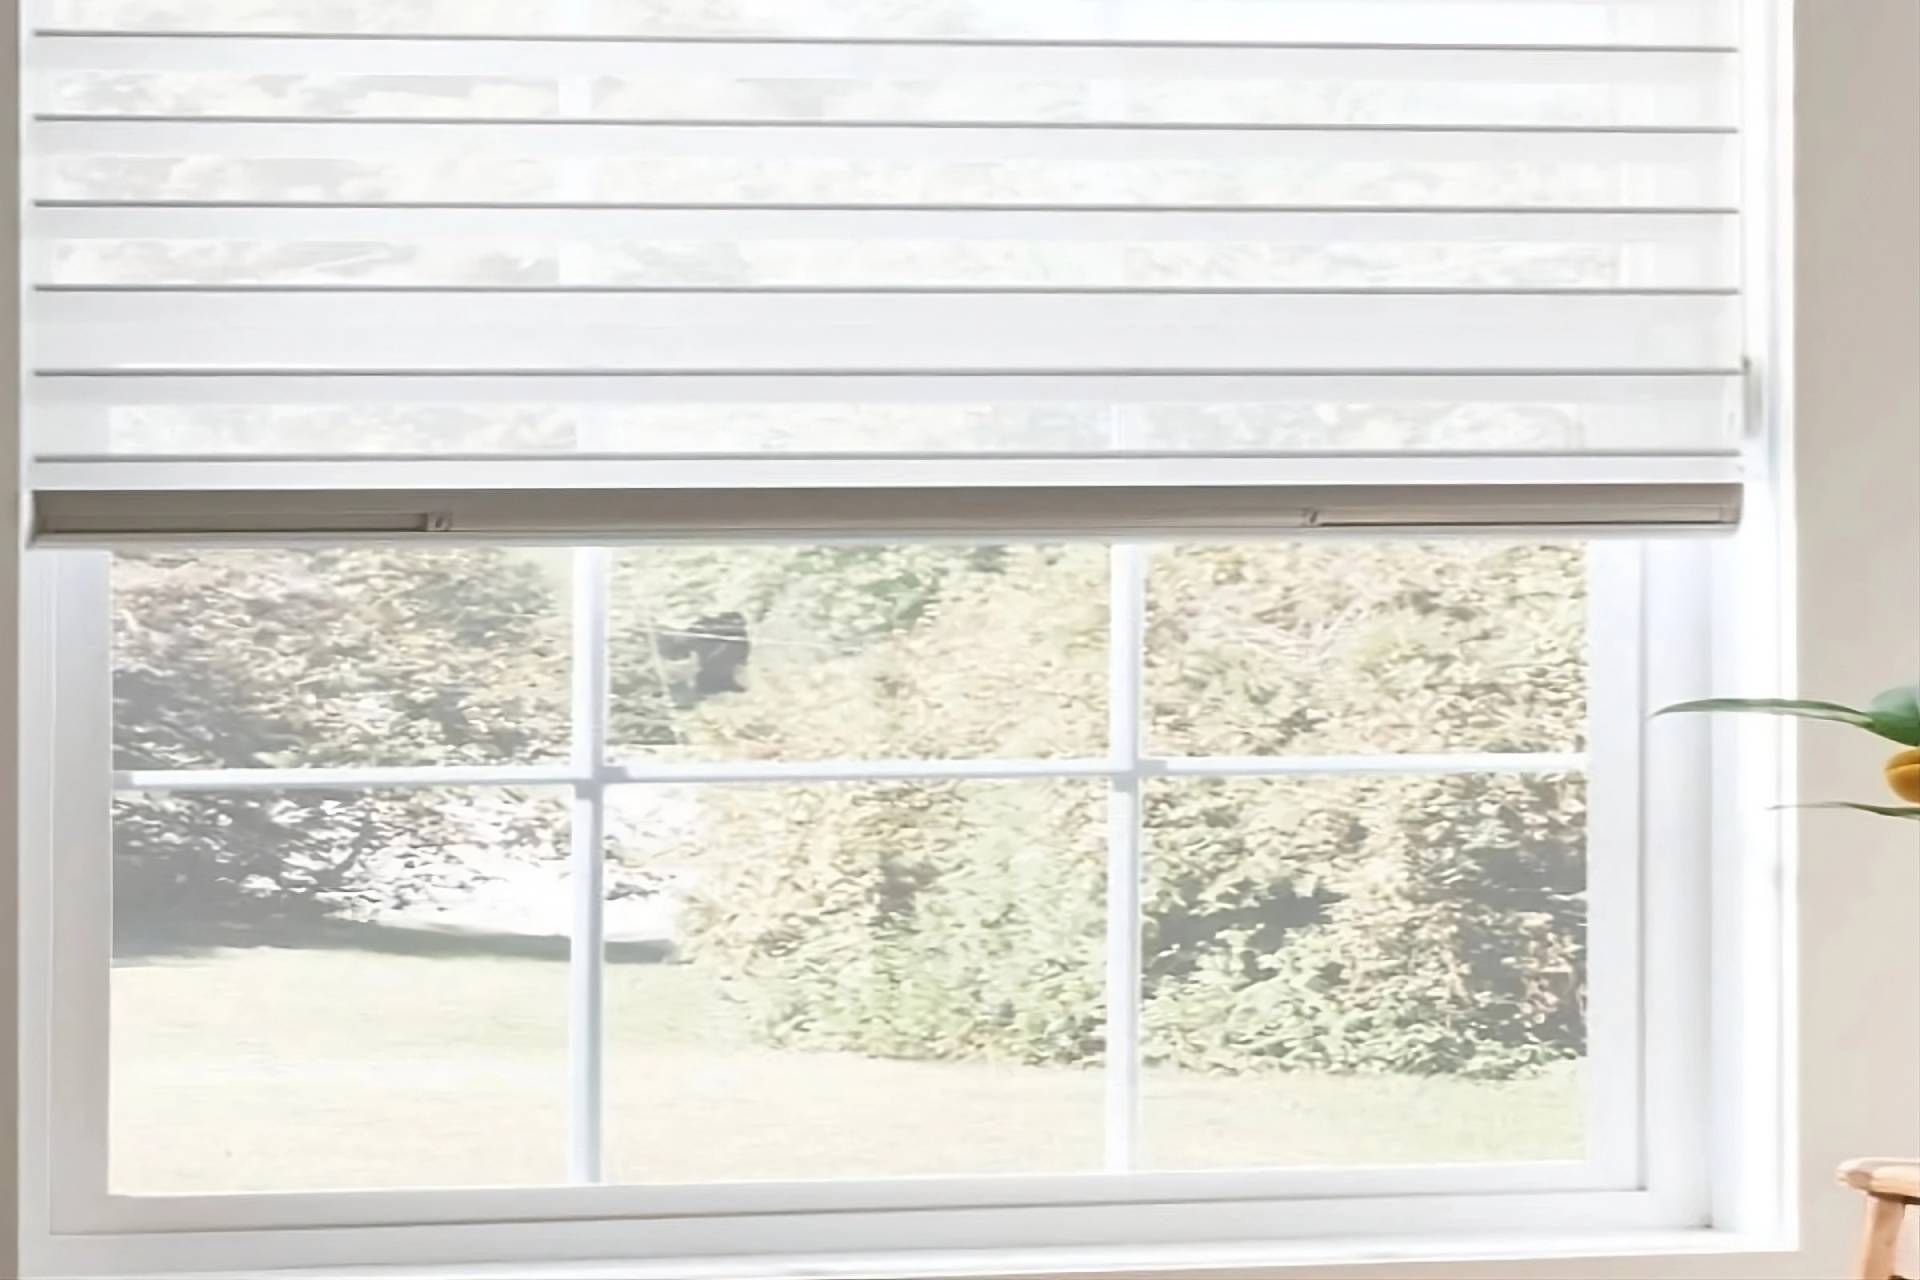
[{"x": 667, "y": 268}]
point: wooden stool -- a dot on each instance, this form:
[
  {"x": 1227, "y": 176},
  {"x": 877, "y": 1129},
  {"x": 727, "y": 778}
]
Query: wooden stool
[{"x": 1891, "y": 1185}]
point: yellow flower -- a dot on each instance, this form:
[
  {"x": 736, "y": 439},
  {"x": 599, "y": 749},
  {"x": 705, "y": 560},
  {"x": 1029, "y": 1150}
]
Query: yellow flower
[{"x": 1903, "y": 775}]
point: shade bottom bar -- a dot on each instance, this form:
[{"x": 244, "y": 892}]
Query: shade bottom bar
[{"x": 585, "y": 516}]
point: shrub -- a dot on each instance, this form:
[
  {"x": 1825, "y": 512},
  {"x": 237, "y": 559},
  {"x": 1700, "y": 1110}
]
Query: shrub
[
  {"x": 1426, "y": 925},
  {"x": 1417, "y": 924},
  {"x": 911, "y": 920},
  {"x": 351, "y": 657},
  {"x": 1409, "y": 923}
]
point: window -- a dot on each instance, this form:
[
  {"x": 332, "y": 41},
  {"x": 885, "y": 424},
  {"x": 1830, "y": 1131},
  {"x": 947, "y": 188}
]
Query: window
[
  {"x": 886, "y": 627},
  {"x": 860, "y": 875}
]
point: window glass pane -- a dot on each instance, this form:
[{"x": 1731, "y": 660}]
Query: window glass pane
[
  {"x": 855, "y": 981},
  {"x": 811, "y": 653},
  {"x": 364, "y": 656},
  {"x": 1367, "y": 647},
  {"x": 326, "y": 989},
  {"x": 1364, "y": 970}
]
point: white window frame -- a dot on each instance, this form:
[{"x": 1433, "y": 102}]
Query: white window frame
[
  {"x": 1649, "y": 1131},
  {"x": 1707, "y": 1008}
]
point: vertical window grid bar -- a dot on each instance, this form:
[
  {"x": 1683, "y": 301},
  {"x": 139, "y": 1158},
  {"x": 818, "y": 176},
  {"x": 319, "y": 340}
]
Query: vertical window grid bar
[
  {"x": 1126, "y": 650},
  {"x": 586, "y": 973}
]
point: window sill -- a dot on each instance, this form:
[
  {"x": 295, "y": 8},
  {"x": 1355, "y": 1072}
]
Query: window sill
[{"x": 1237, "y": 1261}]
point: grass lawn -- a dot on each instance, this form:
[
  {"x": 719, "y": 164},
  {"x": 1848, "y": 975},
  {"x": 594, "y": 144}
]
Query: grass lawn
[{"x": 391, "y": 1070}]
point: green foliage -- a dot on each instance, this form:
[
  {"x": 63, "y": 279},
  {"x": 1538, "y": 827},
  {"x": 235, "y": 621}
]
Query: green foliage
[
  {"x": 911, "y": 920},
  {"x": 331, "y": 658},
  {"x": 811, "y": 608},
  {"x": 1894, "y": 714},
  {"x": 1910, "y": 812},
  {"x": 1372, "y": 924},
  {"x": 1420, "y": 925},
  {"x": 1409, "y": 923},
  {"x": 1344, "y": 647}
]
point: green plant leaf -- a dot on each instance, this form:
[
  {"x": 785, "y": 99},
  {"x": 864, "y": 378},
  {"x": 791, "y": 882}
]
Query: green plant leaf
[
  {"x": 1910, "y": 811},
  {"x": 1896, "y": 714},
  {"x": 1798, "y": 708}
]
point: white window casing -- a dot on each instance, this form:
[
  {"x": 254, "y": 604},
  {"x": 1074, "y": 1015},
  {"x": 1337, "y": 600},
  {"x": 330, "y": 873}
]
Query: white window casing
[
  {"x": 1648, "y": 1141},
  {"x": 1153, "y": 358}
]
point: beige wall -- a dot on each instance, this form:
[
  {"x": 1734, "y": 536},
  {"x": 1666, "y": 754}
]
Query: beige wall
[{"x": 1859, "y": 477}]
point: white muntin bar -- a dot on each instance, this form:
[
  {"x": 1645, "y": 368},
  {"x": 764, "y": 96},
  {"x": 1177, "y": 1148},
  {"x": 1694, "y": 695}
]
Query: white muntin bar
[
  {"x": 586, "y": 973},
  {"x": 851, "y": 771},
  {"x": 590, "y": 683},
  {"x": 1126, "y": 648},
  {"x": 779, "y": 772}
]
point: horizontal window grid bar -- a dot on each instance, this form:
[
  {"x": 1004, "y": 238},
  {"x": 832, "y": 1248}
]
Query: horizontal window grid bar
[
  {"x": 795, "y": 59},
  {"x": 1148, "y": 767},
  {"x": 932, "y": 473},
  {"x": 1711, "y": 392},
  {"x": 855, "y": 771},
  {"x": 640, "y": 773},
  {"x": 72, "y": 120},
  {"x": 1708, "y": 153},
  {"x": 916, "y": 290},
  {"x": 90, "y": 34}
]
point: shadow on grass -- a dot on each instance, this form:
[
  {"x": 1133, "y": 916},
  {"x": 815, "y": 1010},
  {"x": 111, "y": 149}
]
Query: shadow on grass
[{"x": 135, "y": 946}]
